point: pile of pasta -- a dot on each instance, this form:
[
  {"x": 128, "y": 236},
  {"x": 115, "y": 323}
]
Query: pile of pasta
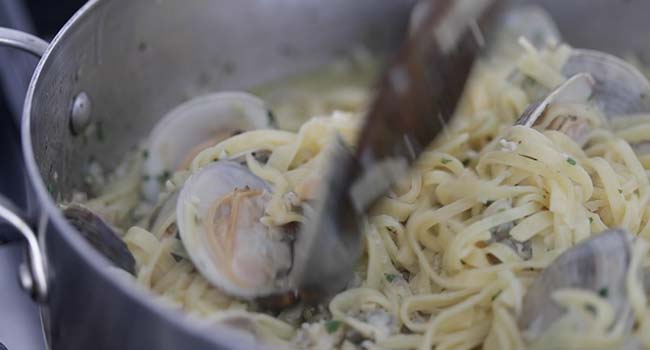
[{"x": 432, "y": 276}]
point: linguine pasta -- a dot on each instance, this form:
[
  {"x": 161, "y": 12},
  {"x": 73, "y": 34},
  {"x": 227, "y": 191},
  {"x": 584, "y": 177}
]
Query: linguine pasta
[{"x": 450, "y": 252}]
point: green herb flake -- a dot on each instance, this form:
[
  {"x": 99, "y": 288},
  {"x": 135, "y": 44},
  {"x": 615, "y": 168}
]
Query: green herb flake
[
  {"x": 496, "y": 295},
  {"x": 590, "y": 308},
  {"x": 620, "y": 191},
  {"x": 145, "y": 154},
  {"x": 390, "y": 277},
  {"x": 332, "y": 326},
  {"x": 50, "y": 188},
  {"x": 603, "y": 292},
  {"x": 591, "y": 220},
  {"x": 466, "y": 162},
  {"x": 445, "y": 160},
  {"x": 571, "y": 161},
  {"x": 163, "y": 177},
  {"x": 271, "y": 116}
]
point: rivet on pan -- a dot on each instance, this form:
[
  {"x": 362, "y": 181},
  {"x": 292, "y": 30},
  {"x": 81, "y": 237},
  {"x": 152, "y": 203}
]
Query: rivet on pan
[{"x": 80, "y": 113}]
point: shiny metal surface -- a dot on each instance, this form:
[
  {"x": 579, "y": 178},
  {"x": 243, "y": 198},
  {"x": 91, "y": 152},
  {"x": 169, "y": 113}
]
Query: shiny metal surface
[
  {"x": 80, "y": 113},
  {"x": 136, "y": 59}
]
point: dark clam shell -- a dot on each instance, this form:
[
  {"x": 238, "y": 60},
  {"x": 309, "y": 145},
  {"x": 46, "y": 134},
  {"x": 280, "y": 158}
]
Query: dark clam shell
[{"x": 101, "y": 236}]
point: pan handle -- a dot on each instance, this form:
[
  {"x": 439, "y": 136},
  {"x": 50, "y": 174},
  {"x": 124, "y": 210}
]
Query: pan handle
[
  {"x": 32, "y": 276},
  {"x": 23, "y": 41},
  {"x": 33, "y": 273}
]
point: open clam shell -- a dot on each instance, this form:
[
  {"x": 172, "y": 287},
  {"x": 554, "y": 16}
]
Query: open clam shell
[
  {"x": 196, "y": 125},
  {"x": 597, "y": 264},
  {"x": 218, "y": 215},
  {"x": 620, "y": 88}
]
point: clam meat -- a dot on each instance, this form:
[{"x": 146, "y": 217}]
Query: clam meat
[{"x": 218, "y": 216}]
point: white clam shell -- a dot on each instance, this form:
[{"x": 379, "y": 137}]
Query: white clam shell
[
  {"x": 620, "y": 88},
  {"x": 260, "y": 256},
  {"x": 196, "y": 122},
  {"x": 600, "y": 262}
]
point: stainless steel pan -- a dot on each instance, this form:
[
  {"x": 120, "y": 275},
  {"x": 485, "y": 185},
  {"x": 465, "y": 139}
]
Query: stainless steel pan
[{"x": 118, "y": 65}]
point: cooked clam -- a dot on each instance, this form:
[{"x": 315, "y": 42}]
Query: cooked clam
[
  {"x": 596, "y": 80},
  {"x": 218, "y": 215},
  {"x": 597, "y": 264},
  {"x": 101, "y": 235},
  {"x": 620, "y": 88},
  {"x": 194, "y": 126}
]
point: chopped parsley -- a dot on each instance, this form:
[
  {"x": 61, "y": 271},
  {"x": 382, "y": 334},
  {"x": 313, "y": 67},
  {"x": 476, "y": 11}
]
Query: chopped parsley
[
  {"x": 50, "y": 188},
  {"x": 164, "y": 176},
  {"x": 590, "y": 308},
  {"x": 496, "y": 295},
  {"x": 603, "y": 292},
  {"x": 332, "y": 326},
  {"x": 271, "y": 117},
  {"x": 591, "y": 220},
  {"x": 571, "y": 161},
  {"x": 390, "y": 277},
  {"x": 145, "y": 154},
  {"x": 620, "y": 191},
  {"x": 445, "y": 160},
  {"x": 466, "y": 162}
]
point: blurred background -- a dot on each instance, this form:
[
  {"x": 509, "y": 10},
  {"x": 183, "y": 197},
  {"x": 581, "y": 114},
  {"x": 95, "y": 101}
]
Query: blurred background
[{"x": 19, "y": 318}]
